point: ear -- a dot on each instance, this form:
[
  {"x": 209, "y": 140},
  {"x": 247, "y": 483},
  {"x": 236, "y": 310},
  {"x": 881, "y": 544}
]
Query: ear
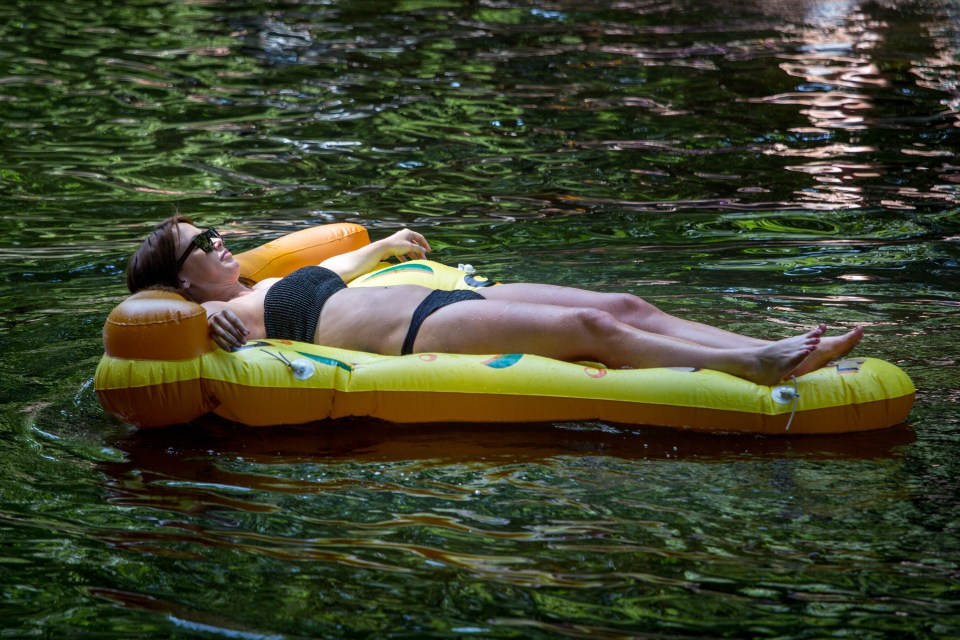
[{"x": 186, "y": 290}]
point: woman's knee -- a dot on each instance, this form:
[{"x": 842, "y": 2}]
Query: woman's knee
[
  {"x": 630, "y": 308},
  {"x": 594, "y": 322}
]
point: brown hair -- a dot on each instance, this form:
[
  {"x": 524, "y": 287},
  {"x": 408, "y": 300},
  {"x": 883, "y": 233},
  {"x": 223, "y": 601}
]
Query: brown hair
[{"x": 155, "y": 263}]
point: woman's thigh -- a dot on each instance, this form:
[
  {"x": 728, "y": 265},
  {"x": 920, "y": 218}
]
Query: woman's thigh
[
  {"x": 625, "y": 307},
  {"x": 547, "y": 294},
  {"x": 505, "y": 326}
]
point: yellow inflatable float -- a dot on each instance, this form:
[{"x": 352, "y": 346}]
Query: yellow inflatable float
[{"x": 160, "y": 367}]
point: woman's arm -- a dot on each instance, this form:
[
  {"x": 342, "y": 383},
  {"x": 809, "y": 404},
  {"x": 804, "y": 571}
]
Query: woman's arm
[
  {"x": 225, "y": 327},
  {"x": 404, "y": 244}
]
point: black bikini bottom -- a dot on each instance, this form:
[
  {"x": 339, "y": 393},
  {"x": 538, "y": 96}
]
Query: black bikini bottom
[{"x": 436, "y": 300}]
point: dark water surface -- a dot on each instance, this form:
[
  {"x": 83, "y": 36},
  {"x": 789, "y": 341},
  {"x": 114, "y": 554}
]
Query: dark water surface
[{"x": 763, "y": 165}]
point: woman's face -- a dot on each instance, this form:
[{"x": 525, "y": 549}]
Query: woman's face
[{"x": 215, "y": 266}]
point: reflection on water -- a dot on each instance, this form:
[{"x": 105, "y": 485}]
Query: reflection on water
[
  {"x": 762, "y": 165},
  {"x": 413, "y": 504}
]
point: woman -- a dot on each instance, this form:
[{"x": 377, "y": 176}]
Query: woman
[{"x": 313, "y": 305}]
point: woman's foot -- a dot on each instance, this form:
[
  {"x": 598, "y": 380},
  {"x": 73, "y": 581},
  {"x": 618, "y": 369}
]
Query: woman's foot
[
  {"x": 829, "y": 349},
  {"x": 770, "y": 364}
]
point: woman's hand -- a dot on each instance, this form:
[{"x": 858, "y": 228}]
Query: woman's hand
[
  {"x": 404, "y": 245},
  {"x": 227, "y": 330}
]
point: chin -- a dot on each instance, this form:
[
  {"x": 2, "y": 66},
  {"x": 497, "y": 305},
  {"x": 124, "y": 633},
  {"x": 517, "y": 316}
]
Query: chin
[{"x": 228, "y": 269}]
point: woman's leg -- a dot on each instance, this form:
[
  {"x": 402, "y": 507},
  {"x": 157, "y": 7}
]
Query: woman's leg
[
  {"x": 570, "y": 333},
  {"x": 626, "y": 308},
  {"x": 640, "y": 314}
]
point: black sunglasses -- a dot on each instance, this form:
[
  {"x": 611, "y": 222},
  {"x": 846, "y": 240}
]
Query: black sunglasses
[{"x": 202, "y": 241}]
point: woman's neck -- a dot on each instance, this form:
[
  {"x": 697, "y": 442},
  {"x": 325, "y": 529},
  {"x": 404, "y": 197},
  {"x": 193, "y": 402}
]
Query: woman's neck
[{"x": 218, "y": 293}]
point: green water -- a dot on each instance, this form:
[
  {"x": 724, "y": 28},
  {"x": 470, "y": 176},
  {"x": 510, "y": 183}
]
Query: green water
[{"x": 759, "y": 165}]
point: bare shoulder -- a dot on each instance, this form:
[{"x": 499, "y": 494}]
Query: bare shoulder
[
  {"x": 265, "y": 284},
  {"x": 247, "y": 310},
  {"x": 215, "y": 306}
]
